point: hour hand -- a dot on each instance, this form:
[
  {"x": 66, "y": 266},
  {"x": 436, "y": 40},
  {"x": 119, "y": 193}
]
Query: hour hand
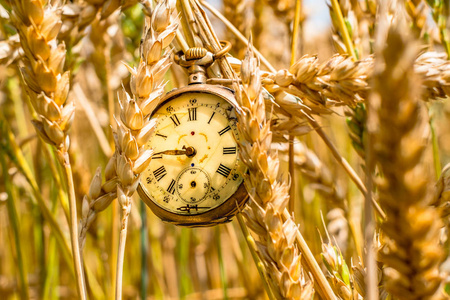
[
  {"x": 171, "y": 152},
  {"x": 189, "y": 152}
]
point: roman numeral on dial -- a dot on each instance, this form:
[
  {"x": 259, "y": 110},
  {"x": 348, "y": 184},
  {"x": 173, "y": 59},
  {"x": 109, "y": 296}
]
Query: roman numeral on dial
[
  {"x": 192, "y": 114},
  {"x": 175, "y": 120},
  {"x": 224, "y": 130},
  {"x": 229, "y": 150},
  {"x": 171, "y": 188},
  {"x": 161, "y": 135},
  {"x": 160, "y": 173},
  {"x": 223, "y": 170},
  {"x": 211, "y": 117}
]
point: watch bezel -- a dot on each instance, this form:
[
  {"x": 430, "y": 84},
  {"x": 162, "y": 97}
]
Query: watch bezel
[{"x": 225, "y": 211}]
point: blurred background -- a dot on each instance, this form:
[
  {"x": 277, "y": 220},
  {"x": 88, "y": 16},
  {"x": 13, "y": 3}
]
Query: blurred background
[{"x": 163, "y": 261}]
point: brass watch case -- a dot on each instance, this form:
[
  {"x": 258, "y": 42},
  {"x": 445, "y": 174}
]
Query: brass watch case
[{"x": 224, "y": 212}]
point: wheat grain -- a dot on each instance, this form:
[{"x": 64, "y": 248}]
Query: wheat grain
[{"x": 411, "y": 232}]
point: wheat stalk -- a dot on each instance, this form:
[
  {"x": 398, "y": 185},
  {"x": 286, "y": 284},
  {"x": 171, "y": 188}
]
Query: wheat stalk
[
  {"x": 411, "y": 232},
  {"x": 48, "y": 86}
]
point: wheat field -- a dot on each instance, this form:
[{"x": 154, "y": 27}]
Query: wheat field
[{"x": 345, "y": 132}]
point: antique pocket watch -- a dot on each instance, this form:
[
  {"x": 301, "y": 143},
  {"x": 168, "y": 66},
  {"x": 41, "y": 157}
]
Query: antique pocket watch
[{"x": 195, "y": 176}]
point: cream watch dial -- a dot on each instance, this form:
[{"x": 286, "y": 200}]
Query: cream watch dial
[{"x": 195, "y": 166}]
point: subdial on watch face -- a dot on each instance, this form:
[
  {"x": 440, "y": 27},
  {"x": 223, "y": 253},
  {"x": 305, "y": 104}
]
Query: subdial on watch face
[{"x": 193, "y": 185}]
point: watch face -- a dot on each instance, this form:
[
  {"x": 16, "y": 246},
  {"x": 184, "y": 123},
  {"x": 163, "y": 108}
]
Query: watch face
[{"x": 195, "y": 166}]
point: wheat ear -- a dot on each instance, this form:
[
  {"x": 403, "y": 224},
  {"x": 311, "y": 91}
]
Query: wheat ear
[
  {"x": 78, "y": 15},
  {"x": 269, "y": 194},
  {"x": 284, "y": 9},
  {"x": 418, "y": 12},
  {"x": 48, "y": 86},
  {"x": 440, "y": 12},
  {"x": 344, "y": 39},
  {"x": 134, "y": 126},
  {"x": 411, "y": 251},
  {"x": 9, "y": 50},
  {"x": 442, "y": 197},
  {"x": 340, "y": 81},
  {"x": 318, "y": 174},
  {"x": 237, "y": 11},
  {"x": 339, "y": 273},
  {"x": 99, "y": 197}
]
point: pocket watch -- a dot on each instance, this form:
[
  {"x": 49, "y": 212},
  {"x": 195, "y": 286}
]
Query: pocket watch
[{"x": 195, "y": 175}]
